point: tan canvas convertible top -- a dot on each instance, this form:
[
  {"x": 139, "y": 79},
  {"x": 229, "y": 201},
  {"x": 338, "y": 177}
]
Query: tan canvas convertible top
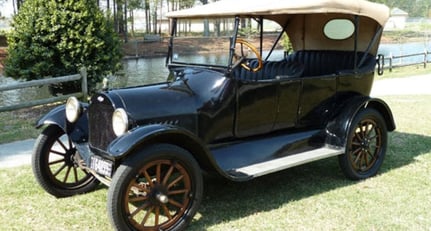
[
  {"x": 271, "y": 8},
  {"x": 305, "y": 20}
]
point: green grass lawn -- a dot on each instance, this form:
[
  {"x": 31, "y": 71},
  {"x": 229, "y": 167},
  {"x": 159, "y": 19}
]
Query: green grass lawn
[
  {"x": 19, "y": 125},
  {"x": 407, "y": 71},
  {"x": 315, "y": 196}
]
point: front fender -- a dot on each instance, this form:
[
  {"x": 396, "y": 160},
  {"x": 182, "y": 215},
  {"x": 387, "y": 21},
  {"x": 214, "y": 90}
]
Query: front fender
[
  {"x": 77, "y": 131},
  {"x": 162, "y": 133},
  {"x": 337, "y": 129},
  {"x": 139, "y": 136},
  {"x": 56, "y": 116}
]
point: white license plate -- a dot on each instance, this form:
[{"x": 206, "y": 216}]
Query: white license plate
[{"x": 101, "y": 166}]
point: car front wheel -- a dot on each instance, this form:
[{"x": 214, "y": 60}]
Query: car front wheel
[
  {"x": 366, "y": 145},
  {"x": 158, "y": 188},
  {"x": 54, "y": 165}
]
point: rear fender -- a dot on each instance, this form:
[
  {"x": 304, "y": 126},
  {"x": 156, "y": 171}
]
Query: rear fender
[
  {"x": 77, "y": 131},
  {"x": 140, "y": 137},
  {"x": 338, "y": 128}
]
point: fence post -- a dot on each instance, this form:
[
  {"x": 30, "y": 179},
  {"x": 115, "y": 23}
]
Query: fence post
[
  {"x": 425, "y": 58},
  {"x": 84, "y": 86},
  {"x": 391, "y": 57}
]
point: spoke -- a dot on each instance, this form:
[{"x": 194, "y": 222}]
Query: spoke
[
  {"x": 373, "y": 137},
  {"x": 358, "y": 136},
  {"x": 75, "y": 173},
  {"x": 182, "y": 191},
  {"x": 67, "y": 174},
  {"x": 361, "y": 129},
  {"x": 156, "y": 216},
  {"x": 70, "y": 143},
  {"x": 356, "y": 143},
  {"x": 175, "y": 181},
  {"x": 60, "y": 169},
  {"x": 168, "y": 174},
  {"x": 158, "y": 170},
  {"x": 376, "y": 147},
  {"x": 56, "y": 161},
  {"x": 62, "y": 145},
  {"x": 57, "y": 152},
  {"x": 174, "y": 203},
  {"x": 140, "y": 208},
  {"x": 166, "y": 211},
  {"x": 138, "y": 199},
  {"x": 356, "y": 151},
  {"x": 373, "y": 156},
  {"x": 365, "y": 157},
  {"x": 148, "y": 178},
  {"x": 357, "y": 159},
  {"x": 370, "y": 128},
  {"x": 141, "y": 187},
  {"x": 144, "y": 220}
]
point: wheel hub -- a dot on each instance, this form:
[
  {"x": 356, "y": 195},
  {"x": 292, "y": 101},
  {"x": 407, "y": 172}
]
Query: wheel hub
[
  {"x": 159, "y": 194},
  {"x": 162, "y": 198},
  {"x": 69, "y": 157},
  {"x": 365, "y": 144}
]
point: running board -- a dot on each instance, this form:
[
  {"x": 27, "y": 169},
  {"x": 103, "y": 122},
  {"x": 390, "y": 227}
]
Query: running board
[{"x": 279, "y": 164}]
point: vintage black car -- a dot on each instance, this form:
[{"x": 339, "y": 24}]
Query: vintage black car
[{"x": 255, "y": 87}]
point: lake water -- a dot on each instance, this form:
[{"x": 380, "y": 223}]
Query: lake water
[
  {"x": 405, "y": 49},
  {"x": 152, "y": 70}
]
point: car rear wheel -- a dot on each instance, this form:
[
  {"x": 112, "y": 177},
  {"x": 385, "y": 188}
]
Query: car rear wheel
[
  {"x": 54, "y": 165},
  {"x": 366, "y": 145},
  {"x": 158, "y": 188}
]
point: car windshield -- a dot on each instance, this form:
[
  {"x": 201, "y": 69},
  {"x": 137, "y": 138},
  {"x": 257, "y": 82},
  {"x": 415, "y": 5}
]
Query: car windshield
[
  {"x": 206, "y": 42},
  {"x": 202, "y": 42}
]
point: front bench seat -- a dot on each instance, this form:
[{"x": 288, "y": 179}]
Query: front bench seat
[{"x": 270, "y": 70}]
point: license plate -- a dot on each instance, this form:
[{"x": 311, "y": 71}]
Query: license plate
[{"x": 101, "y": 166}]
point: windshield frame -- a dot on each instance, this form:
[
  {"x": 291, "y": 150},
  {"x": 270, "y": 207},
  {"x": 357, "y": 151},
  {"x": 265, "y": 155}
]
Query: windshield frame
[
  {"x": 230, "y": 64},
  {"x": 171, "y": 62}
]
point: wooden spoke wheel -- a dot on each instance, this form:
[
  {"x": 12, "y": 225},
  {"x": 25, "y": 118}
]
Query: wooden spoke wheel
[
  {"x": 54, "y": 165},
  {"x": 159, "y": 192},
  {"x": 366, "y": 145}
]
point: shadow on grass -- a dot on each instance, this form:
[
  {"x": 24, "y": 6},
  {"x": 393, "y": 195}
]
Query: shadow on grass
[{"x": 226, "y": 201}]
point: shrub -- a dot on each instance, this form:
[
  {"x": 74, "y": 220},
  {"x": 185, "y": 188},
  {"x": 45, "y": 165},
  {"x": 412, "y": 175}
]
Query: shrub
[{"x": 57, "y": 38}]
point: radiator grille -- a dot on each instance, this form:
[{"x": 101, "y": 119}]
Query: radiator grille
[{"x": 100, "y": 124}]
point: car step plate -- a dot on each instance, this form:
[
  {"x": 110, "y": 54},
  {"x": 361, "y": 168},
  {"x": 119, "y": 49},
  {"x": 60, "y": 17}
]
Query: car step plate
[{"x": 275, "y": 165}]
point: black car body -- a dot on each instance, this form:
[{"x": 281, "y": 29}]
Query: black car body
[{"x": 235, "y": 115}]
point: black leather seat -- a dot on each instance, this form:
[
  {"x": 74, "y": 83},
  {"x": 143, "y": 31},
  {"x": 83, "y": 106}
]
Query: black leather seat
[
  {"x": 270, "y": 70},
  {"x": 318, "y": 63}
]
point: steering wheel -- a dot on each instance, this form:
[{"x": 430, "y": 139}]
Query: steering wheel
[{"x": 243, "y": 55}]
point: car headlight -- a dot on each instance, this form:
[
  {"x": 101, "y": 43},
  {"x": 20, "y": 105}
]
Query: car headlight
[
  {"x": 120, "y": 121},
  {"x": 73, "y": 109}
]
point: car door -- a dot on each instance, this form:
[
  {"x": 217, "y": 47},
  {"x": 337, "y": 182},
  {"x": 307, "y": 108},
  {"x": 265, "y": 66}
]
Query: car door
[
  {"x": 317, "y": 100},
  {"x": 256, "y": 108},
  {"x": 267, "y": 105},
  {"x": 289, "y": 90}
]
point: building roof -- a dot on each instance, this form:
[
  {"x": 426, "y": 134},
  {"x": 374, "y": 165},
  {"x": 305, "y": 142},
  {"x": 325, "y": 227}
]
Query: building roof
[{"x": 398, "y": 12}]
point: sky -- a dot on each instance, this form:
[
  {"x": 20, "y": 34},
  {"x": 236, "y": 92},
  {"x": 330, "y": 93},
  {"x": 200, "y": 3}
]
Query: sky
[{"x": 6, "y": 8}]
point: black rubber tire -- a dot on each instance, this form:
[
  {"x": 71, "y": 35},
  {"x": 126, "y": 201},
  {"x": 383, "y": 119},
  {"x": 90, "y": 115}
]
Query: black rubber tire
[
  {"x": 365, "y": 146},
  {"x": 131, "y": 189},
  {"x": 54, "y": 167}
]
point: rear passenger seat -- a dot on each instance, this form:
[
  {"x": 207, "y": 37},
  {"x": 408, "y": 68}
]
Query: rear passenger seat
[
  {"x": 318, "y": 63},
  {"x": 307, "y": 63}
]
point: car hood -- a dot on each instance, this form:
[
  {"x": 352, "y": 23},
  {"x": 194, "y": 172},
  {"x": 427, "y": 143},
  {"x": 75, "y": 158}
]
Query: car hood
[{"x": 166, "y": 102}]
